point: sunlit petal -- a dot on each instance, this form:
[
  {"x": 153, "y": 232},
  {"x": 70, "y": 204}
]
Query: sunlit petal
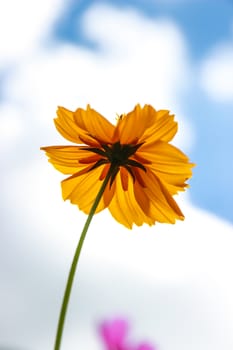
[
  {"x": 162, "y": 206},
  {"x": 94, "y": 124},
  {"x": 169, "y": 164},
  {"x": 82, "y": 190},
  {"x": 68, "y": 159},
  {"x": 119, "y": 207},
  {"x": 124, "y": 178},
  {"x": 124, "y": 207},
  {"x": 164, "y": 128},
  {"x": 131, "y": 126},
  {"x": 66, "y": 125}
]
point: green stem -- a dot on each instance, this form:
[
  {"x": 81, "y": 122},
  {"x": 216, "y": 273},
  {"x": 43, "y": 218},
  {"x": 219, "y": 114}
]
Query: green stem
[{"x": 75, "y": 262}]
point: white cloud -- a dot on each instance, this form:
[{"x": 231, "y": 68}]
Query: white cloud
[
  {"x": 149, "y": 57},
  {"x": 11, "y": 128},
  {"x": 23, "y": 25},
  {"x": 216, "y": 75}
]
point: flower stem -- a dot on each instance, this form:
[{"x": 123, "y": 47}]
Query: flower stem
[{"x": 70, "y": 279}]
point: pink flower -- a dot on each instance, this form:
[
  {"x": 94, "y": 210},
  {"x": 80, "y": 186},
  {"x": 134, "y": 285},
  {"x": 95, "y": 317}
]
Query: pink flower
[
  {"x": 114, "y": 335},
  {"x": 145, "y": 346}
]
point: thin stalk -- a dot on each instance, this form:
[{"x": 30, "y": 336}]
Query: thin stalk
[{"x": 74, "y": 264}]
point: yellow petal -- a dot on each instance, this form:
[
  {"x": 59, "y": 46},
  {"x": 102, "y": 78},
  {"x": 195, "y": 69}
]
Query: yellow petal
[
  {"x": 118, "y": 206},
  {"x": 82, "y": 190},
  {"x": 67, "y": 159},
  {"x": 168, "y": 163},
  {"x": 108, "y": 194},
  {"x": 131, "y": 126},
  {"x": 94, "y": 124},
  {"x": 162, "y": 207},
  {"x": 139, "y": 216},
  {"x": 124, "y": 207},
  {"x": 162, "y": 149},
  {"x": 173, "y": 183},
  {"x": 66, "y": 125},
  {"x": 124, "y": 178},
  {"x": 164, "y": 128}
]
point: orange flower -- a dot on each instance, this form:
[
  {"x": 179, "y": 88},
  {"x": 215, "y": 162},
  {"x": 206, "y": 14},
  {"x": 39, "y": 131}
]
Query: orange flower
[{"x": 145, "y": 169}]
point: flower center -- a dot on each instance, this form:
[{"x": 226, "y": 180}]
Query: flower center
[{"x": 117, "y": 155}]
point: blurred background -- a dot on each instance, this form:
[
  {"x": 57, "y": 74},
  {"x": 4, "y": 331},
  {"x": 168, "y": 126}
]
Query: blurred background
[{"x": 173, "y": 283}]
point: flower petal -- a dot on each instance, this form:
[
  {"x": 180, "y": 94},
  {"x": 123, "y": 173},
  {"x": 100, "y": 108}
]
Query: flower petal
[
  {"x": 143, "y": 123},
  {"x": 68, "y": 159},
  {"x": 131, "y": 126},
  {"x": 145, "y": 346},
  {"x": 124, "y": 178},
  {"x": 114, "y": 333},
  {"x": 168, "y": 163},
  {"x": 164, "y": 128},
  {"x": 139, "y": 216},
  {"x": 74, "y": 129},
  {"x": 82, "y": 190},
  {"x": 124, "y": 207},
  {"x": 162, "y": 207},
  {"x": 66, "y": 125},
  {"x": 94, "y": 124},
  {"x": 118, "y": 207},
  {"x": 159, "y": 150}
]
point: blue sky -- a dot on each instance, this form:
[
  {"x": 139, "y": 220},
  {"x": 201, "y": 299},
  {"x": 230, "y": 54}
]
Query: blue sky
[
  {"x": 203, "y": 22},
  {"x": 173, "y": 54},
  {"x": 205, "y": 25}
]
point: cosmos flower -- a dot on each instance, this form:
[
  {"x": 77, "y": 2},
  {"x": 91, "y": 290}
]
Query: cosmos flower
[
  {"x": 143, "y": 168},
  {"x": 114, "y": 335}
]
